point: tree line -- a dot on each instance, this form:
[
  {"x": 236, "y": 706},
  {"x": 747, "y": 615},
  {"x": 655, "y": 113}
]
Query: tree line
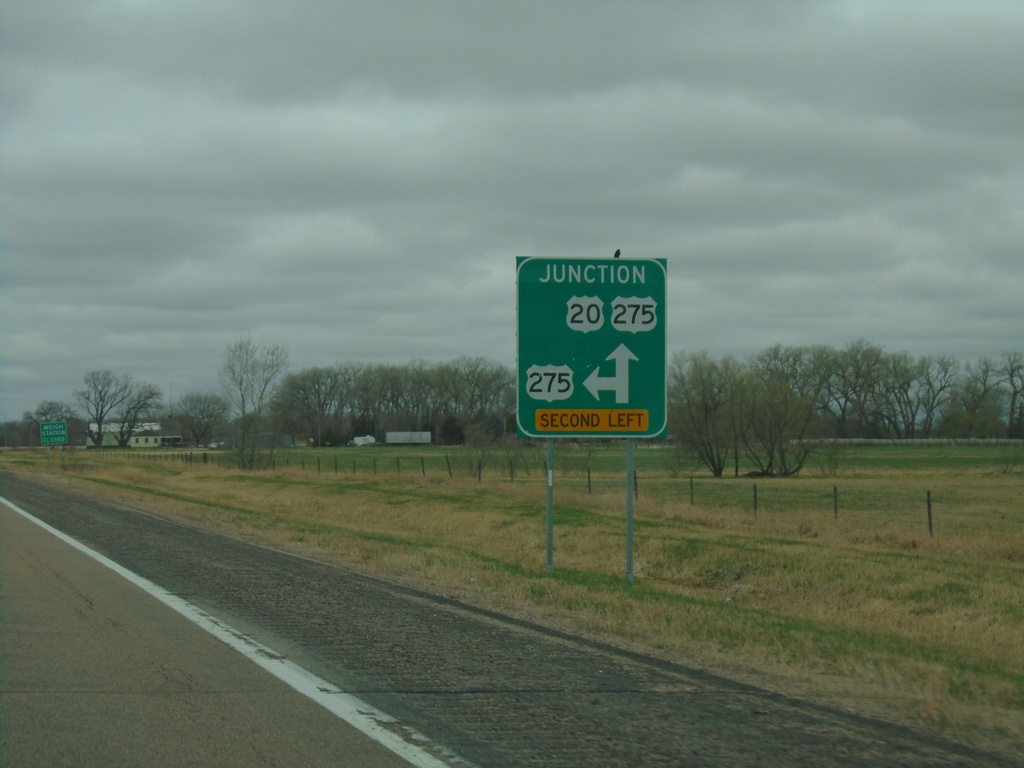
[
  {"x": 772, "y": 408},
  {"x": 776, "y": 407},
  {"x": 259, "y": 404}
]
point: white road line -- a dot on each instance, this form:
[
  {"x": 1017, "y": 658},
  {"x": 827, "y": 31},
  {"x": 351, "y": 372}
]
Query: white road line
[{"x": 407, "y": 743}]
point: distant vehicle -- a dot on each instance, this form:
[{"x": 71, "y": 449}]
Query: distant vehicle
[
  {"x": 399, "y": 438},
  {"x": 365, "y": 440}
]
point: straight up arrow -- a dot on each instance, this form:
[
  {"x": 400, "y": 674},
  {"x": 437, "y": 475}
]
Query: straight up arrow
[{"x": 619, "y": 383}]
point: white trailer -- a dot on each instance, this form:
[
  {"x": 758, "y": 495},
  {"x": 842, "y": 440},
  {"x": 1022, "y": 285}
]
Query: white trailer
[{"x": 407, "y": 438}]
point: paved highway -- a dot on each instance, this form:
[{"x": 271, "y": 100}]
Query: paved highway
[{"x": 96, "y": 672}]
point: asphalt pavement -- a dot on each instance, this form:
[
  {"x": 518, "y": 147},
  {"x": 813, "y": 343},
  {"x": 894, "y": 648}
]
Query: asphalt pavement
[{"x": 96, "y": 672}]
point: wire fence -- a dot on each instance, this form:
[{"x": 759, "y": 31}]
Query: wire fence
[{"x": 928, "y": 499}]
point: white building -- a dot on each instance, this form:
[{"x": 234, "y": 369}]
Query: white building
[{"x": 149, "y": 435}]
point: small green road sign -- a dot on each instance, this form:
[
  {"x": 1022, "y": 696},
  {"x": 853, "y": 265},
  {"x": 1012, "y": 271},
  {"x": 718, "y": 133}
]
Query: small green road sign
[
  {"x": 591, "y": 347},
  {"x": 53, "y": 433}
]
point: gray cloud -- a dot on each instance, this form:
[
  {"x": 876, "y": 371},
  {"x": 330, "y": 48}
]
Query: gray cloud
[{"x": 354, "y": 179}]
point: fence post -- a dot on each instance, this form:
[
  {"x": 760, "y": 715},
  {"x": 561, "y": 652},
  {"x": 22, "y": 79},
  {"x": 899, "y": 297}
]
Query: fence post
[
  {"x": 755, "y": 499},
  {"x": 691, "y": 490},
  {"x": 929, "y": 499},
  {"x": 448, "y": 463},
  {"x": 423, "y": 465}
]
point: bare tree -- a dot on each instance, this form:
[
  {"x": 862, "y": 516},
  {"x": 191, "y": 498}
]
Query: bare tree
[
  {"x": 201, "y": 413},
  {"x": 248, "y": 377},
  {"x": 394, "y": 407},
  {"x": 938, "y": 377},
  {"x": 701, "y": 395},
  {"x": 418, "y": 397},
  {"x": 348, "y": 376},
  {"x": 138, "y": 405},
  {"x": 314, "y": 399},
  {"x": 366, "y": 402},
  {"x": 802, "y": 368},
  {"x": 900, "y": 403},
  {"x": 1013, "y": 374},
  {"x": 51, "y": 410},
  {"x": 103, "y": 393},
  {"x": 977, "y": 402},
  {"x": 476, "y": 396},
  {"x": 776, "y": 408},
  {"x": 853, "y": 390}
]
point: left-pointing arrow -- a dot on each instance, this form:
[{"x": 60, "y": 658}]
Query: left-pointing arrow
[{"x": 619, "y": 383}]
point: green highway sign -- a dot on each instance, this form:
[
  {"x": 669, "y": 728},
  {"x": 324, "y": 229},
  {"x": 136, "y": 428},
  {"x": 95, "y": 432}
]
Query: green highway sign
[
  {"x": 591, "y": 347},
  {"x": 53, "y": 433}
]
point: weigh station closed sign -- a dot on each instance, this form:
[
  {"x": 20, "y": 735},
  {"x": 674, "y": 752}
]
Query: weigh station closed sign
[
  {"x": 591, "y": 347},
  {"x": 53, "y": 433}
]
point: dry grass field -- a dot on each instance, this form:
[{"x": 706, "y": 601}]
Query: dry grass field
[{"x": 832, "y": 588}]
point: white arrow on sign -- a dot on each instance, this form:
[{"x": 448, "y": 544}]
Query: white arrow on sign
[{"x": 619, "y": 383}]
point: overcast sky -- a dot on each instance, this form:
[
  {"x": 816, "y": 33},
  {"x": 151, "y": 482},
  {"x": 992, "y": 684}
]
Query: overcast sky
[{"x": 353, "y": 180}]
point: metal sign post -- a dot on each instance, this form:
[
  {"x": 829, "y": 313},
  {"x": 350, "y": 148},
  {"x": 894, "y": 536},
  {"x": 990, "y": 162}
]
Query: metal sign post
[
  {"x": 629, "y": 508},
  {"x": 550, "y": 518}
]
